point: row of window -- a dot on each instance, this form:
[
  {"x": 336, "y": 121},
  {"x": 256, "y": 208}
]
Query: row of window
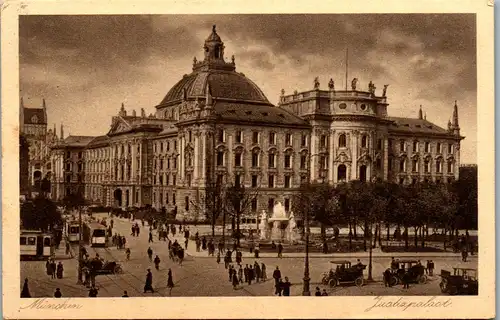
[
  {"x": 415, "y": 165},
  {"x": 256, "y": 136},
  {"x": 427, "y": 146},
  {"x": 271, "y": 160},
  {"x": 97, "y": 153},
  {"x": 166, "y": 146},
  {"x": 68, "y": 167},
  {"x": 158, "y": 179},
  {"x": 167, "y": 198},
  {"x": 170, "y": 163}
]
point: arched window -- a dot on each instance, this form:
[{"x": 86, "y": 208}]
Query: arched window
[{"x": 342, "y": 141}]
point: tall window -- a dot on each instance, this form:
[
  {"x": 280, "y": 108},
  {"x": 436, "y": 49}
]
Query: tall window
[
  {"x": 342, "y": 141},
  {"x": 415, "y": 146},
  {"x": 220, "y": 135},
  {"x": 255, "y": 159},
  {"x": 303, "y": 140},
  {"x": 287, "y": 205},
  {"x": 271, "y": 181},
  {"x": 427, "y": 146},
  {"x": 255, "y": 181},
  {"x": 255, "y": 137},
  {"x": 379, "y": 144},
  {"x": 402, "y": 146},
  {"x": 272, "y": 161},
  {"x": 402, "y": 165},
  {"x": 254, "y": 205},
  {"x": 187, "y": 203},
  {"x": 438, "y": 147},
  {"x": 323, "y": 162},
  {"x": 303, "y": 159},
  {"x": 174, "y": 202},
  {"x": 450, "y": 148},
  {"x": 174, "y": 180},
  {"x": 238, "y": 136},
  {"x": 237, "y": 180},
  {"x": 438, "y": 166},
  {"x": 414, "y": 165},
  {"x": 272, "y": 138},
  {"x": 288, "y": 139},
  {"x": 322, "y": 143},
  {"x": 167, "y": 179},
  {"x": 237, "y": 160},
  {"x": 270, "y": 204},
  {"x": 287, "y": 181},
  {"x": 161, "y": 179},
  {"x": 220, "y": 158},
  {"x": 450, "y": 166},
  {"x": 364, "y": 142},
  {"x": 161, "y": 144},
  {"x": 168, "y": 145},
  {"x": 389, "y": 143},
  {"x": 427, "y": 166},
  {"x": 288, "y": 160},
  {"x": 190, "y": 135}
]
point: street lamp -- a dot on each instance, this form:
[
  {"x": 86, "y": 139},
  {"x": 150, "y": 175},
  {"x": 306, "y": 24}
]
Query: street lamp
[
  {"x": 80, "y": 273},
  {"x": 306, "y": 291}
]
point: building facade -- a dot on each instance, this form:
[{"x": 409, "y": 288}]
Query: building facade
[{"x": 215, "y": 124}]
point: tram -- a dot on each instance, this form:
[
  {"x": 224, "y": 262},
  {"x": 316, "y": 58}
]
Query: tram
[
  {"x": 98, "y": 234},
  {"x": 73, "y": 231},
  {"x": 36, "y": 244}
]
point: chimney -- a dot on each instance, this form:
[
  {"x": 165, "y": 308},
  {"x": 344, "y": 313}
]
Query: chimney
[
  {"x": 420, "y": 113},
  {"x": 62, "y": 132},
  {"x": 455, "y": 125}
]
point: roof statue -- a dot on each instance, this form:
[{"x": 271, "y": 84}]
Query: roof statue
[
  {"x": 282, "y": 92},
  {"x": 371, "y": 87},
  {"x": 143, "y": 113},
  {"x": 331, "y": 84},
  {"x": 384, "y": 92},
  {"x": 195, "y": 60},
  {"x": 232, "y": 58},
  {"x": 316, "y": 83},
  {"x": 354, "y": 83}
]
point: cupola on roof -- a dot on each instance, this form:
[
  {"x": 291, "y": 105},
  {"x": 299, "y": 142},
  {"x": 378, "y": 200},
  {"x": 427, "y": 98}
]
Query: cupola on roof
[{"x": 220, "y": 76}]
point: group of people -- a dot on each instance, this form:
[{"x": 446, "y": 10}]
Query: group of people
[
  {"x": 54, "y": 270},
  {"x": 148, "y": 286},
  {"x": 136, "y": 230},
  {"x": 248, "y": 274},
  {"x": 119, "y": 241}
]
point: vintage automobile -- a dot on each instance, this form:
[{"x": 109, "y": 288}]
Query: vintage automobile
[
  {"x": 413, "y": 270},
  {"x": 104, "y": 267},
  {"x": 344, "y": 273},
  {"x": 463, "y": 281}
]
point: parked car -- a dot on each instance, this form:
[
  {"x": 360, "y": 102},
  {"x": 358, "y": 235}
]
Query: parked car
[
  {"x": 342, "y": 272},
  {"x": 463, "y": 281},
  {"x": 413, "y": 270}
]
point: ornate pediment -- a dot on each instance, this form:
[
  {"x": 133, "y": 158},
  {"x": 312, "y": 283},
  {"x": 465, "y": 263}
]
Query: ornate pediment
[
  {"x": 342, "y": 157},
  {"x": 119, "y": 126}
]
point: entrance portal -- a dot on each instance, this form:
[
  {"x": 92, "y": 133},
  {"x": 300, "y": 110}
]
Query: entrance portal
[
  {"x": 118, "y": 197},
  {"x": 341, "y": 173},
  {"x": 362, "y": 173}
]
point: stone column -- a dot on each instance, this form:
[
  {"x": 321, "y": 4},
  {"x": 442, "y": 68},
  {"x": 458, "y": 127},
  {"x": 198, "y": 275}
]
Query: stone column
[
  {"x": 133, "y": 161},
  {"x": 354, "y": 153},
  {"x": 204, "y": 155},
  {"x": 312, "y": 154},
  {"x": 456, "y": 165},
  {"x": 386, "y": 159},
  {"x": 230, "y": 155},
  {"x": 331, "y": 156},
  {"x": 196, "y": 171},
  {"x": 181, "y": 158}
]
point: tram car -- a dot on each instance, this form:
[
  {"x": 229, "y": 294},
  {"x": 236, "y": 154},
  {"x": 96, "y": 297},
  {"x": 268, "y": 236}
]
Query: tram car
[
  {"x": 36, "y": 245},
  {"x": 73, "y": 231},
  {"x": 98, "y": 234}
]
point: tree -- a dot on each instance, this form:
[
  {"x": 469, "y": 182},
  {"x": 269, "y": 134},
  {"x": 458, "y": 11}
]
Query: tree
[
  {"x": 214, "y": 202},
  {"x": 41, "y": 213},
  {"x": 74, "y": 201},
  {"x": 239, "y": 201}
]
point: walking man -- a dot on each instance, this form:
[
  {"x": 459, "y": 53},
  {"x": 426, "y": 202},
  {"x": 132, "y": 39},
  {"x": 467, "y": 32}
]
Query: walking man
[
  {"x": 280, "y": 250},
  {"x": 148, "y": 286},
  {"x": 150, "y": 254},
  {"x": 277, "y": 275}
]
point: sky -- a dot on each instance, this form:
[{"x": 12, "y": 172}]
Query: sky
[{"x": 87, "y": 66}]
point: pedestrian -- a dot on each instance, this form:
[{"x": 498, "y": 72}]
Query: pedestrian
[
  {"x": 251, "y": 274},
  {"x": 150, "y": 254},
  {"x": 280, "y": 250},
  {"x": 257, "y": 251},
  {"x": 230, "y": 272},
  {"x": 221, "y": 246},
  {"x": 180, "y": 255},
  {"x": 286, "y": 287},
  {"x": 405, "y": 279},
  {"x": 60, "y": 270},
  {"x": 93, "y": 292},
  {"x": 150, "y": 236},
  {"x": 245, "y": 272},
  {"x": 240, "y": 273},
  {"x": 127, "y": 252},
  {"x": 170, "y": 281},
  {"x": 157, "y": 262},
  {"x": 276, "y": 275},
  {"x": 464, "y": 255},
  {"x": 68, "y": 249},
  {"x": 148, "y": 286},
  {"x": 235, "y": 280},
  {"x": 53, "y": 268},
  {"x": 125, "y": 294},
  {"x": 186, "y": 243},
  {"x": 387, "y": 278},
  {"x": 133, "y": 231},
  {"x": 137, "y": 229},
  {"x": 257, "y": 270},
  {"x": 124, "y": 242},
  {"x": 58, "y": 293},
  {"x": 218, "y": 257},
  {"x": 427, "y": 267},
  {"x": 431, "y": 268},
  {"x": 394, "y": 264},
  {"x": 325, "y": 247},
  {"x": 279, "y": 287},
  {"x": 25, "y": 293},
  {"x": 324, "y": 293},
  {"x": 318, "y": 292},
  {"x": 238, "y": 257},
  {"x": 204, "y": 243},
  {"x": 263, "y": 271}
]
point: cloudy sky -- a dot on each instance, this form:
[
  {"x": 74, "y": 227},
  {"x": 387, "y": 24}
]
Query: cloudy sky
[{"x": 86, "y": 66}]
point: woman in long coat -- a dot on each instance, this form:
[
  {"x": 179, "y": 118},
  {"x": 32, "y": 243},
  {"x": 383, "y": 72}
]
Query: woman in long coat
[
  {"x": 235, "y": 280},
  {"x": 26, "y": 291},
  {"x": 170, "y": 281}
]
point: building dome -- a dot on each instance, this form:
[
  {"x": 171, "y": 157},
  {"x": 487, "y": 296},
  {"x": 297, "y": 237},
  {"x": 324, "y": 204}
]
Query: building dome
[
  {"x": 224, "y": 85},
  {"x": 220, "y": 76}
]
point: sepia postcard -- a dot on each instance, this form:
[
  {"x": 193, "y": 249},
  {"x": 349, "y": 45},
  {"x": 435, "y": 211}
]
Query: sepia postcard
[{"x": 245, "y": 160}]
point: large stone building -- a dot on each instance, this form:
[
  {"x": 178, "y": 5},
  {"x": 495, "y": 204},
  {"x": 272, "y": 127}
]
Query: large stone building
[{"x": 216, "y": 124}]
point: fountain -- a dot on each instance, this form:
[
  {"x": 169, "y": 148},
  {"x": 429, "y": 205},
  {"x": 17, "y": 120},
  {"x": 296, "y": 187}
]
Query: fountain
[{"x": 264, "y": 226}]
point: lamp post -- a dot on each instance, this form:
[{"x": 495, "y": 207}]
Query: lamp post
[
  {"x": 306, "y": 291},
  {"x": 79, "y": 281}
]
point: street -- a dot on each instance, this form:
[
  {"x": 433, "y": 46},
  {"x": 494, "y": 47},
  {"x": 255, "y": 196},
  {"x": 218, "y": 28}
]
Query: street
[{"x": 202, "y": 276}]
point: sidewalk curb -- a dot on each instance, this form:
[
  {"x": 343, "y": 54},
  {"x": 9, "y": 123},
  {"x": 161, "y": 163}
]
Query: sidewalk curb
[{"x": 336, "y": 256}]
